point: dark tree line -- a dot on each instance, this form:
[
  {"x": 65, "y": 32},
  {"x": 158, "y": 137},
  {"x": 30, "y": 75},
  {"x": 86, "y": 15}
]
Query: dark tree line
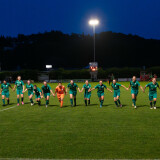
[{"x": 76, "y": 51}]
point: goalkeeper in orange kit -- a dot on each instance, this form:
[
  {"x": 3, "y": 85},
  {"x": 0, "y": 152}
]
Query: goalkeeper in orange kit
[{"x": 61, "y": 91}]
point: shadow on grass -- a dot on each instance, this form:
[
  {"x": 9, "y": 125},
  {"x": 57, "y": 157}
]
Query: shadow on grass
[
  {"x": 142, "y": 106},
  {"x": 11, "y": 104},
  {"x": 52, "y": 105},
  {"x": 107, "y": 105}
]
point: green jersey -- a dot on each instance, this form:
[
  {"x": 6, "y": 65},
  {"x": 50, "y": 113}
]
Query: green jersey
[
  {"x": 86, "y": 88},
  {"x": 29, "y": 87},
  {"x": 5, "y": 87},
  {"x": 116, "y": 86},
  {"x": 152, "y": 87},
  {"x": 37, "y": 91},
  {"x": 100, "y": 88},
  {"x": 46, "y": 89},
  {"x": 19, "y": 84},
  {"x": 134, "y": 85},
  {"x": 72, "y": 87}
]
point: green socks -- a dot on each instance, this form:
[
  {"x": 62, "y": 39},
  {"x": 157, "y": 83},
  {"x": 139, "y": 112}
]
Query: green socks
[
  {"x": 116, "y": 103},
  {"x": 3, "y": 101},
  {"x": 151, "y": 104},
  {"x": 154, "y": 103},
  {"x": 71, "y": 100},
  {"x": 119, "y": 101},
  {"x": 47, "y": 102},
  {"x": 102, "y": 102},
  {"x": 75, "y": 101},
  {"x": 39, "y": 103},
  {"x": 17, "y": 100},
  {"x": 31, "y": 100},
  {"x": 85, "y": 102},
  {"x": 134, "y": 102}
]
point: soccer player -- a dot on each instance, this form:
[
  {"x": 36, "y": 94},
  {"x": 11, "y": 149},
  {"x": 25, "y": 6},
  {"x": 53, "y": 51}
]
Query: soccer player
[
  {"x": 100, "y": 91},
  {"x": 38, "y": 94},
  {"x": 46, "y": 90},
  {"x": 5, "y": 91},
  {"x": 60, "y": 90},
  {"x": 20, "y": 89},
  {"x": 72, "y": 91},
  {"x": 152, "y": 92},
  {"x": 87, "y": 95},
  {"x": 116, "y": 87},
  {"x": 30, "y": 89},
  {"x": 134, "y": 84}
]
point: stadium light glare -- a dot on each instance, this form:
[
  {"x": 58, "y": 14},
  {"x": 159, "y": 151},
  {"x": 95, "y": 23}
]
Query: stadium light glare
[
  {"x": 48, "y": 66},
  {"x": 94, "y": 22}
]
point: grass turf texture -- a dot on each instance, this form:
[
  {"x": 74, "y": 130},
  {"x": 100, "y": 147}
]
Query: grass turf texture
[{"x": 81, "y": 132}]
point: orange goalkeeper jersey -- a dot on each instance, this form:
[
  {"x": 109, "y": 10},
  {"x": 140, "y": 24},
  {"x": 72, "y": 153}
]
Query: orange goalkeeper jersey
[{"x": 60, "y": 90}]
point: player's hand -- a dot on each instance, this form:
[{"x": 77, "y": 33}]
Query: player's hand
[
  {"x": 111, "y": 91},
  {"x": 23, "y": 91},
  {"x": 53, "y": 95},
  {"x": 42, "y": 97}
]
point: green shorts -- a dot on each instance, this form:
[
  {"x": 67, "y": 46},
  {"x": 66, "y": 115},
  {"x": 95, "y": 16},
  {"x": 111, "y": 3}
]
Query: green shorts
[
  {"x": 87, "y": 95},
  {"x": 46, "y": 94},
  {"x": 74, "y": 93},
  {"x": 152, "y": 96},
  {"x": 30, "y": 93},
  {"x": 19, "y": 91},
  {"x": 116, "y": 93},
  {"x": 37, "y": 96},
  {"x": 135, "y": 92},
  {"x": 6, "y": 94},
  {"x": 100, "y": 94}
]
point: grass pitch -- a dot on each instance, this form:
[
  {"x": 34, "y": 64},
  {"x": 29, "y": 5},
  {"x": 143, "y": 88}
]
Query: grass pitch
[{"x": 81, "y": 132}]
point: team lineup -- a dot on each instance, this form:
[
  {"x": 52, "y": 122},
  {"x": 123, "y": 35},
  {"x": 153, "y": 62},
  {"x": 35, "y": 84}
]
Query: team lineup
[{"x": 72, "y": 88}]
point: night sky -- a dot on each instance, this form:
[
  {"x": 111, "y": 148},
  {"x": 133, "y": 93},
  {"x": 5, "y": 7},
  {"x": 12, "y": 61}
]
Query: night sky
[{"x": 140, "y": 17}]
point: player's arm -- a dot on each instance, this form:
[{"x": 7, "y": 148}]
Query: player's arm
[
  {"x": 78, "y": 88},
  {"x": 129, "y": 87},
  {"x": 82, "y": 90},
  {"x": 109, "y": 89},
  {"x": 52, "y": 93},
  {"x": 14, "y": 87},
  {"x": 65, "y": 91},
  {"x": 10, "y": 86},
  {"x": 91, "y": 89},
  {"x": 25, "y": 90},
  {"x": 142, "y": 88},
  {"x": 145, "y": 87},
  {"x": 124, "y": 87},
  {"x": 42, "y": 93},
  {"x": 55, "y": 91}
]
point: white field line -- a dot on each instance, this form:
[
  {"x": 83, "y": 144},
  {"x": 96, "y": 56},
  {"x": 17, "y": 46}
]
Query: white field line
[
  {"x": 11, "y": 108},
  {"x": 8, "y": 108}
]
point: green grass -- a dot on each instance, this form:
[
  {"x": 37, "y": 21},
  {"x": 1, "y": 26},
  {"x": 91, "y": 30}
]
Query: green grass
[{"x": 81, "y": 132}]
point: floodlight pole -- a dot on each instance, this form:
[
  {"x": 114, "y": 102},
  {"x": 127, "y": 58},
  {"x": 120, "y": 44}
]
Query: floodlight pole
[{"x": 94, "y": 41}]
